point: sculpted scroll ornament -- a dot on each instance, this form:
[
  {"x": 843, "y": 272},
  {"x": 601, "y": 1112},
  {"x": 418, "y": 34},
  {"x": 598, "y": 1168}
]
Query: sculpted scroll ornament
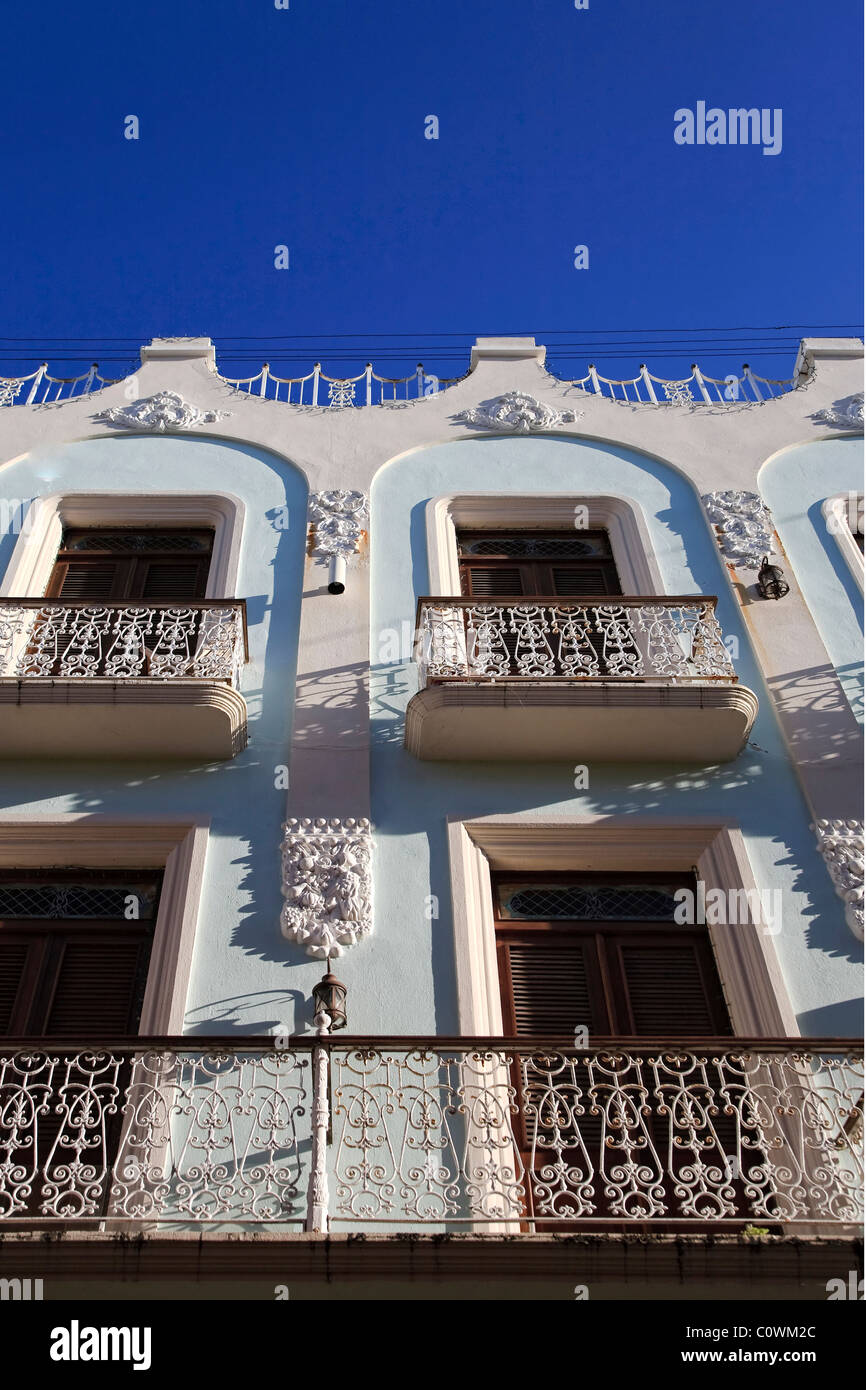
[
  {"x": 162, "y": 412},
  {"x": 846, "y": 414},
  {"x": 744, "y": 527},
  {"x": 326, "y": 884},
  {"x": 840, "y": 843},
  {"x": 337, "y": 519},
  {"x": 516, "y": 413}
]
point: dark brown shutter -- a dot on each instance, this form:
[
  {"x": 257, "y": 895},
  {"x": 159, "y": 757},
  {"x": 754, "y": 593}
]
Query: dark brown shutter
[
  {"x": 491, "y": 581},
  {"x": 499, "y": 564},
  {"x": 578, "y": 581},
  {"x": 670, "y": 990},
  {"x": 550, "y": 989},
  {"x": 101, "y": 565},
  {"x": 98, "y": 987},
  {"x": 13, "y": 959},
  {"x": 171, "y": 580}
]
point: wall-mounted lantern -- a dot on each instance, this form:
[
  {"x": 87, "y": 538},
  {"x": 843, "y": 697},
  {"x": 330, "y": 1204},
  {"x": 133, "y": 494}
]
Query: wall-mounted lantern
[
  {"x": 329, "y": 996},
  {"x": 771, "y": 580}
]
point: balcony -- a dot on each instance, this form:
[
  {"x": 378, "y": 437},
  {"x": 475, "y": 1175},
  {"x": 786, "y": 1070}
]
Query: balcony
[
  {"x": 476, "y": 1135},
  {"x": 597, "y": 679},
  {"x": 122, "y": 680}
]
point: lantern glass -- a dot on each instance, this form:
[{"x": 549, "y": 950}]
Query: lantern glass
[{"x": 330, "y": 997}]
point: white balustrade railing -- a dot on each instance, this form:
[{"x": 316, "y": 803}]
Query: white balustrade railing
[
  {"x": 452, "y": 1132},
  {"x": 624, "y": 638},
  {"x": 746, "y": 388},
  {"x": 40, "y": 388},
  {"x": 118, "y": 641},
  {"x": 316, "y": 388}
]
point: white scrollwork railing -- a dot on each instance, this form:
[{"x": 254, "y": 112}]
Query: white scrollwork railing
[
  {"x": 367, "y": 388},
  {"x": 621, "y": 638},
  {"x": 40, "y": 388},
  {"x": 695, "y": 389},
  {"x": 122, "y": 640},
  {"x": 471, "y": 1131}
]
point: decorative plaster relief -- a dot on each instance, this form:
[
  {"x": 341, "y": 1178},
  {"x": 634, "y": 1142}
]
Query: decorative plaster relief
[
  {"x": 327, "y": 884},
  {"x": 846, "y": 414},
  {"x": 744, "y": 526},
  {"x": 336, "y": 518},
  {"x": 840, "y": 842},
  {"x": 516, "y": 413},
  {"x": 164, "y": 411}
]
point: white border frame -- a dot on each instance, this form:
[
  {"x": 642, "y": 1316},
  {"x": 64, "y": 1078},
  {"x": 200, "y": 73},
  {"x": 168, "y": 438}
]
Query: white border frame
[
  {"x": 35, "y": 551},
  {"x": 622, "y": 518},
  {"x": 96, "y": 842},
  {"x": 748, "y": 966},
  {"x": 837, "y": 514}
]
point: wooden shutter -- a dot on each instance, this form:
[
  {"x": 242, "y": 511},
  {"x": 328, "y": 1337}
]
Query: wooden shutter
[
  {"x": 547, "y": 990},
  {"x": 80, "y": 976},
  {"x": 500, "y": 564},
  {"x": 670, "y": 989},
  {"x": 101, "y": 565}
]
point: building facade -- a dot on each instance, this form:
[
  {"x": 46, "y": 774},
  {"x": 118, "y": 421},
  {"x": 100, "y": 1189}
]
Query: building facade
[{"x": 467, "y": 694}]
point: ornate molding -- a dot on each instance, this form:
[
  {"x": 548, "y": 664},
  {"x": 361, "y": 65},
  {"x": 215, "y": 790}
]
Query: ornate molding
[
  {"x": 164, "y": 411},
  {"x": 743, "y": 525},
  {"x": 327, "y": 884},
  {"x": 845, "y": 414},
  {"x": 517, "y": 413},
  {"x": 336, "y": 522},
  {"x": 840, "y": 843}
]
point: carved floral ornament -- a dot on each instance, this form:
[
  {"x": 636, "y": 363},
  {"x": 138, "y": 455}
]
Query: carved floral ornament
[
  {"x": 744, "y": 527},
  {"x": 846, "y": 414},
  {"x": 840, "y": 842},
  {"x": 326, "y": 884},
  {"x": 337, "y": 520},
  {"x": 516, "y": 413},
  {"x": 162, "y": 412}
]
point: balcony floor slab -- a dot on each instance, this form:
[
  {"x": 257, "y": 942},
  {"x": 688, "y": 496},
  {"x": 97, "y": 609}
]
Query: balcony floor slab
[
  {"x": 559, "y": 721},
  {"x": 98, "y": 718}
]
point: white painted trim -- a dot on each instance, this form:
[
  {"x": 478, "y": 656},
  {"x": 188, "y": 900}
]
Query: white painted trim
[
  {"x": 746, "y": 959},
  {"x": 837, "y": 514},
  {"x": 94, "y": 841},
  {"x": 622, "y": 518},
  {"x": 32, "y": 560}
]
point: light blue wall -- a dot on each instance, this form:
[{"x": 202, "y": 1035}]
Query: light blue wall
[
  {"x": 794, "y": 485},
  {"x": 412, "y": 799},
  {"x": 245, "y": 976}
]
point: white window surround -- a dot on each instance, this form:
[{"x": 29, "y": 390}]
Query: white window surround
[
  {"x": 837, "y": 512},
  {"x": 33, "y": 557},
  {"x": 95, "y": 842},
  {"x": 746, "y": 958},
  {"x": 623, "y": 520}
]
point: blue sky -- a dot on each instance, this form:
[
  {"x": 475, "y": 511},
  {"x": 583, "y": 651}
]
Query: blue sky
[{"x": 305, "y": 127}]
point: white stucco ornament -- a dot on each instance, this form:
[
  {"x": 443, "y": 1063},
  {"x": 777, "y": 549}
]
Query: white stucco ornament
[
  {"x": 517, "y": 413},
  {"x": 840, "y": 842},
  {"x": 162, "y": 412},
  {"x": 846, "y": 414},
  {"x": 337, "y": 518},
  {"x": 743, "y": 525},
  {"x": 326, "y": 884}
]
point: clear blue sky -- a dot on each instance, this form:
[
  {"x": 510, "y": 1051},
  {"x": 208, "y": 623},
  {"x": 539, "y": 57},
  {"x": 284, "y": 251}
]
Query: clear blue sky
[{"x": 305, "y": 127}]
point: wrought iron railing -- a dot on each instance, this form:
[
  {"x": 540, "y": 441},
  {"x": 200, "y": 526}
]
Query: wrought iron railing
[
  {"x": 78, "y": 640},
  {"x": 623, "y": 638},
  {"x": 469, "y": 1133},
  {"x": 318, "y": 389},
  {"x": 695, "y": 389},
  {"x": 40, "y": 388}
]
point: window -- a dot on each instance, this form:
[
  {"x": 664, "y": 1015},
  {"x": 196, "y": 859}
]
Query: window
[
  {"x": 604, "y": 952},
  {"x": 159, "y": 566},
  {"x": 74, "y": 951},
  {"x": 507, "y": 564}
]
